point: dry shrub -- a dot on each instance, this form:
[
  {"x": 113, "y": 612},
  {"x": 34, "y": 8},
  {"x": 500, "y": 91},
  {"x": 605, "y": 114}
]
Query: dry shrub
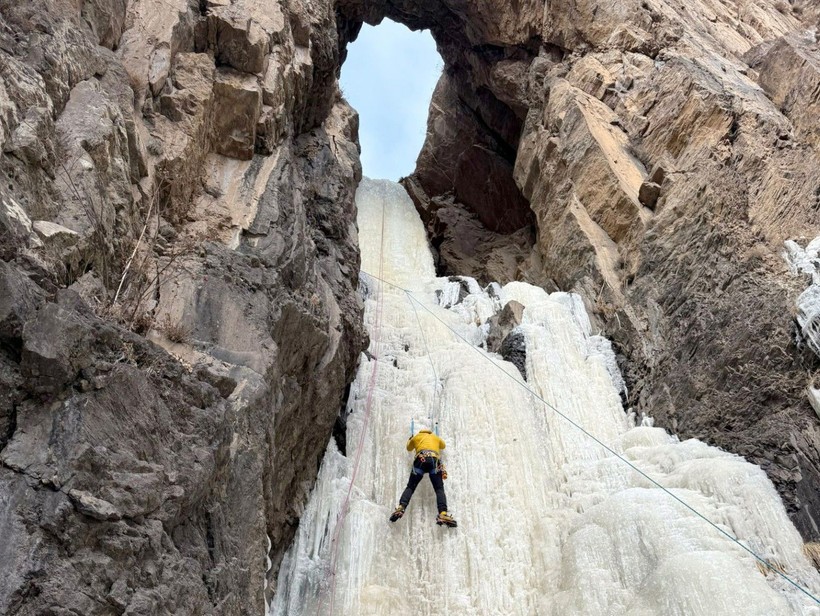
[
  {"x": 174, "y": 331},
  {"x": 812, "y": 552},
  {"x": 142, "y": 323},
  {"x": 771, "y": 567}
]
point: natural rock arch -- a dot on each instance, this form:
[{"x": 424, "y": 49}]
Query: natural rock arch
[{"x": 651, "y": 155}]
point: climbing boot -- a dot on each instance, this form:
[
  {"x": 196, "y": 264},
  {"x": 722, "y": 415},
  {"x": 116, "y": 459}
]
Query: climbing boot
[
  {"x": 446, "y": 519},
  {"x": 397, "y": 513}
]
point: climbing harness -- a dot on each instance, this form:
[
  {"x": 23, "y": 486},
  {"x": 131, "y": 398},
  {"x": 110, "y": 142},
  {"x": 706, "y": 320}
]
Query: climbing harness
[{"x": 768, "y": 565}]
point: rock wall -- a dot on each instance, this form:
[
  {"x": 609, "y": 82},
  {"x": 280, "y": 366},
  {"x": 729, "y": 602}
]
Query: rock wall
[{"x": 178, "y": 316}]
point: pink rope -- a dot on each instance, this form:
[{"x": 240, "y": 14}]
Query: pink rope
[{"x": 371, "y": 386}]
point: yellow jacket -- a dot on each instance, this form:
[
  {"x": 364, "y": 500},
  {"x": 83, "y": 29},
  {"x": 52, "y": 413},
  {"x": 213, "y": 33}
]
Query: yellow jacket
[{"x": 425, "y": 440}]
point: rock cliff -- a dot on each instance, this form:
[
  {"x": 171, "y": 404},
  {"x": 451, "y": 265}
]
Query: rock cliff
[{"x": 179, "y": 316}]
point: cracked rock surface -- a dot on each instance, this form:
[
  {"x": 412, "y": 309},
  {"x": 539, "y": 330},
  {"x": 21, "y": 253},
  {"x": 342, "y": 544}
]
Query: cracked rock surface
[{"x": 178, "y": 306}]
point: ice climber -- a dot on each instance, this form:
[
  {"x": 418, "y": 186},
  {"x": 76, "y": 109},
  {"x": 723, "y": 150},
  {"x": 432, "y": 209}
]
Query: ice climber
[{"x": 428, "y": 448}]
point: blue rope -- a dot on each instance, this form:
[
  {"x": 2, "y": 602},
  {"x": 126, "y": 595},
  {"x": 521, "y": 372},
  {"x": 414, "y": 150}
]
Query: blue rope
[{"x": 607, "y": 447}]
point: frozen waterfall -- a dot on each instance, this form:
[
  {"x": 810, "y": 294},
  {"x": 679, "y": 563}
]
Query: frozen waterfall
[{"x": 550, "y": 522}]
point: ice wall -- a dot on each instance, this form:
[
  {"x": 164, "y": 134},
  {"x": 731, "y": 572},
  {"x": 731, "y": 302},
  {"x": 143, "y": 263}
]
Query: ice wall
[{"x": 550, "y": 522}]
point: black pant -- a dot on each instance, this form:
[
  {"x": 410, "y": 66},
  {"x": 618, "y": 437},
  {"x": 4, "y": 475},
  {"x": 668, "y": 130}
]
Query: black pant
[{"x": 430, "y": 465}]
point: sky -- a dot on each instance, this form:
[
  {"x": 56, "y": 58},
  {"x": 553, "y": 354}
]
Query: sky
[{"x": 388, "y": 77}]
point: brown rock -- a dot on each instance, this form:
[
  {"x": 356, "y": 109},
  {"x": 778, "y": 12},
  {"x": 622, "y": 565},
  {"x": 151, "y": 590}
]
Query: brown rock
[
  {"x": 159, "y": 69},
  {"x": 789, "y": 71},
  {"x": 267, "y": 131},
  {"x": 459, "y": 157},
  {"x": 182, "y": 132},
  {"x": 616, "y": 89},
  {"x": 693, "y": 294},
  {"x": 237, "y": 106},
  {"x": 238, "y": 41},
  {"x": 648, "y": 194},
  {"x": 168, "y": 473},
  {"x": 242, "y": 33}
]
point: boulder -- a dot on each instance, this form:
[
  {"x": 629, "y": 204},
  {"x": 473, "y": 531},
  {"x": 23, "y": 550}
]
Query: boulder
[
  {"x": 54, "y": 236},
  {"x": 239, "y": 42},
  {"x": 648, "y": 194},
  {"x": 93, "y": 507}
]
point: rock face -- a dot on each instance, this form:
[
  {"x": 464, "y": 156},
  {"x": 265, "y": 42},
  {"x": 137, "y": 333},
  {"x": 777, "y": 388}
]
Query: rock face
[
  {"x": 178, "y": 316},
  {"x": 178, "y": 253}
]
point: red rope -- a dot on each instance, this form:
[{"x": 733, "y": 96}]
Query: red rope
[{"x": 371, "y": 385}]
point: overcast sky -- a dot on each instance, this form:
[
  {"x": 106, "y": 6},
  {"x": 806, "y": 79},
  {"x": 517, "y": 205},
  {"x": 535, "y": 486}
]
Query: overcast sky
[{"x": 389, "y": 76}]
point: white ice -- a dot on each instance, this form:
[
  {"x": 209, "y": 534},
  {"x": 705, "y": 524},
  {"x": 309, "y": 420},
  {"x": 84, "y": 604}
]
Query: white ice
[
  {"x": 550, "y": 523},
  {"x": 807, "y": 261}
]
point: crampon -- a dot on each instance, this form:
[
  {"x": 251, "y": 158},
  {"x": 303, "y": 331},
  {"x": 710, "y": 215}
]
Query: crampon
[
  {"x": 446, "y": 519},
  {"x": 397, "y": 513}
]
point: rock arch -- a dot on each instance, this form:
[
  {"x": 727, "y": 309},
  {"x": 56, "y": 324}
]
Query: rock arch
[{"x": 664, "y": 154}]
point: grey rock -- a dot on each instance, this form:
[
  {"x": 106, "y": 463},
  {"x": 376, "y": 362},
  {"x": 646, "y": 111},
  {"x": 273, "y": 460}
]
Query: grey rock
[
  {"x": 93, "y": 507},
  {"x": 19, "y": 301},
  {"x": 502, "y": 323},
  {"x": 15, "y": 221},
  {"x": 55, "y": 349},
  {"x": 514, "y": 350}
]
